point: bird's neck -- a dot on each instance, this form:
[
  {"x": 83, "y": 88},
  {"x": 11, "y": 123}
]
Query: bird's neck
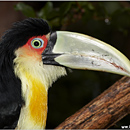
[
  {"x": 34, "y": 92},
  {"x": 34, "y": 112},
  {"x": 35, "y": 80}
]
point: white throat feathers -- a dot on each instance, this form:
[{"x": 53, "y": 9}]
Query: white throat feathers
[{"x": 35, "y": 78}]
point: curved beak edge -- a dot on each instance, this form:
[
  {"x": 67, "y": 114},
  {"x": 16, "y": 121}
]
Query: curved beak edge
[{"x": 78, "y": 51}]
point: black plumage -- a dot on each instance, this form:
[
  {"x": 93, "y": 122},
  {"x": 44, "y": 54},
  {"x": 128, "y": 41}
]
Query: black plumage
[{"x": 10, "y": 86}]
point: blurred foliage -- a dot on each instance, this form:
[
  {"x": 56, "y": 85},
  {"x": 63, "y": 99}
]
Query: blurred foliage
[
  {"x": 107, "y": 21},
  {"x": 66, "y": 13}
]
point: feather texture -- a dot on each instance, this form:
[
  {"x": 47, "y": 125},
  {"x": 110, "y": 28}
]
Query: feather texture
[
  {"x": 36, "y": 79},
  {"x": 11, "y": 99}
]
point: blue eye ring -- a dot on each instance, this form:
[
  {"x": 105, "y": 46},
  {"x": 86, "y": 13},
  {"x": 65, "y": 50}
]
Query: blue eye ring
[{"x": 37, "y": 43}]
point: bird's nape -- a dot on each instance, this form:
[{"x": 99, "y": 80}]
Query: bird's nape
[{"x": 33, "y": 57}]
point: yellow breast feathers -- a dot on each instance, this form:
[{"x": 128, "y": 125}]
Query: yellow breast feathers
[{"x": 35, "y": 80}]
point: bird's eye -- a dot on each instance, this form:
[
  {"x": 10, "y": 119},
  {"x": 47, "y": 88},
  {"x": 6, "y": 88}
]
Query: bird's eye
[{"x": 37, "y": 43}]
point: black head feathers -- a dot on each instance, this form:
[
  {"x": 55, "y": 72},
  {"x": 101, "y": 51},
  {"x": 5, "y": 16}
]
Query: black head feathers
[
  {"x": 19, "y": 34},
  {"x": 14, "y": 38},
  {"x": 10, "y": 85}
]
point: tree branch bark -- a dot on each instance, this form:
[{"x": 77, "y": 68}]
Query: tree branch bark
[{"x": 104, "y": 111}]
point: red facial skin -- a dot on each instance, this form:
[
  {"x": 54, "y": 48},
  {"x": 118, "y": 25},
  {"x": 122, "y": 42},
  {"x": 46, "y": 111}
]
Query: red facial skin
[{"x": 38, "y": 50}]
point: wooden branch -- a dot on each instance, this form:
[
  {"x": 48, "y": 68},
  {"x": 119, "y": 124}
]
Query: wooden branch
[{"x": 104, "y": 111}]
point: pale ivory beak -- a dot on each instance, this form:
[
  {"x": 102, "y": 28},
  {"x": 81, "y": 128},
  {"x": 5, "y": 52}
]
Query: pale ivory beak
[{"x": 80, "y": 51}]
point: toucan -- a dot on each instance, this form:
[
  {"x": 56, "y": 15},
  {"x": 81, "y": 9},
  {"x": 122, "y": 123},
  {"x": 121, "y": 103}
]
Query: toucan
[{"x": 32, "y": 57}]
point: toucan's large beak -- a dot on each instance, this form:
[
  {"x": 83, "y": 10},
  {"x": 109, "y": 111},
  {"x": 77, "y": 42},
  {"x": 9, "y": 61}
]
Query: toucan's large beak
[{"x": 80, "y": 51}]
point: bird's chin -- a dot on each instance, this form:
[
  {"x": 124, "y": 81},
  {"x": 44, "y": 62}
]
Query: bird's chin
[{"x": 78, "y": 51}]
